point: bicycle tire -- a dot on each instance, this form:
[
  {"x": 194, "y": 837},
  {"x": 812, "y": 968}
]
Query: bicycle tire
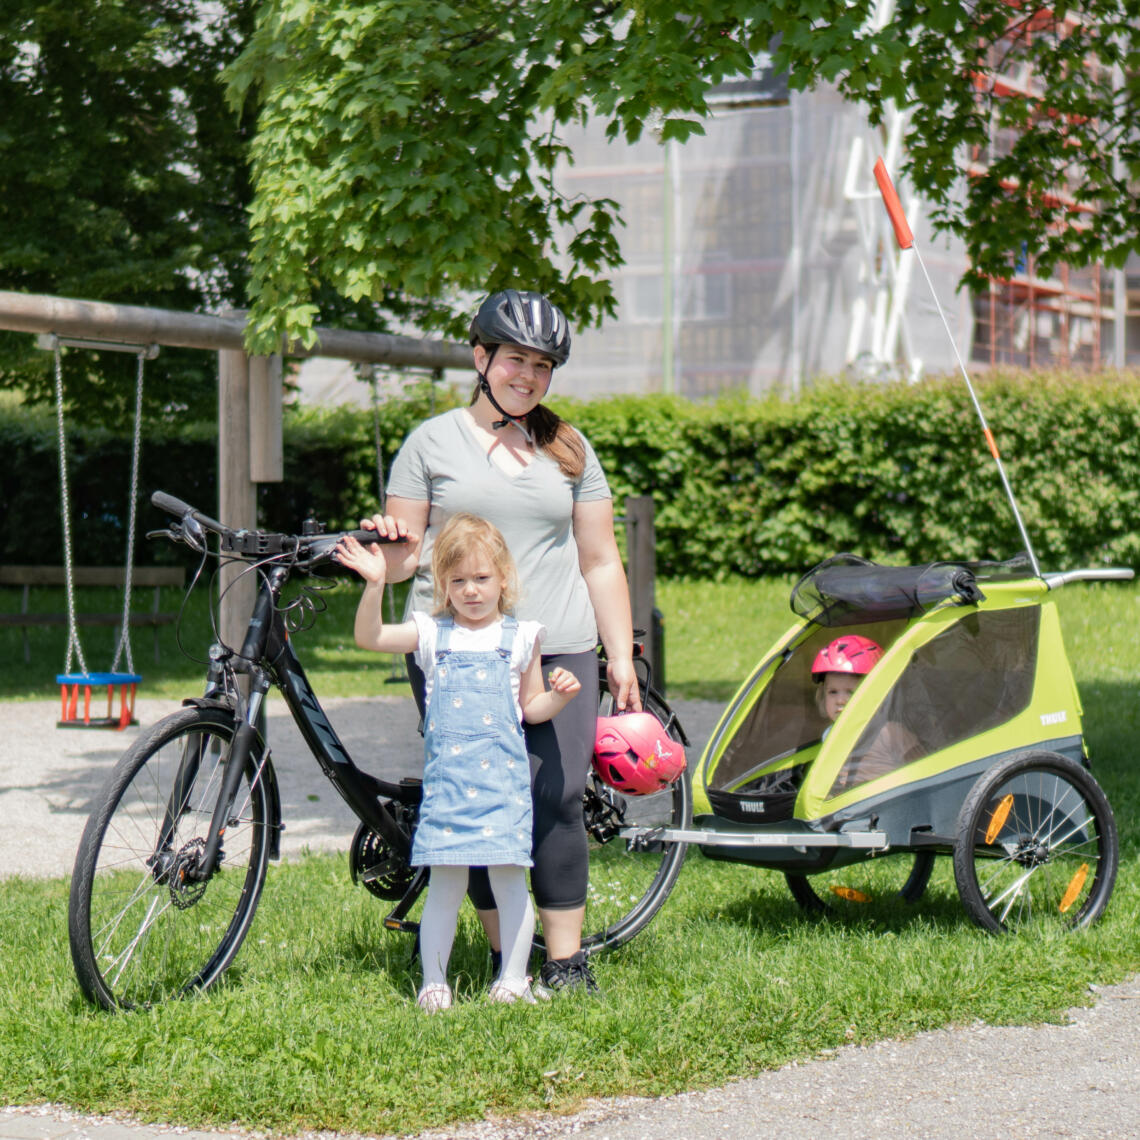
[
  {"x": 140, "y": 932},
  {"x": 629, "y": 882},
  {"x": 857, "y": 885},
  {"x": 1036, "y": 844}
]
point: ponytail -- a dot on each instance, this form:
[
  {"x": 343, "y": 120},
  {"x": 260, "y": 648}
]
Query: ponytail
[{"x": 559, "y": 440}]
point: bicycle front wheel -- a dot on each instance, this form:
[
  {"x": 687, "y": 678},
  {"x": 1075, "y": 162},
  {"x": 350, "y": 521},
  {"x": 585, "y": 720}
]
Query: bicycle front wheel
[
  {"x": 630, "y": 879},
  {"x": 143, "y": 928}
]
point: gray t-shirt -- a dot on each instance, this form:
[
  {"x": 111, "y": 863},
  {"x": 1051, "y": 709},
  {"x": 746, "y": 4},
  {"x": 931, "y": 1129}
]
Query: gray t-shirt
[{"x": 444, "y": 463}]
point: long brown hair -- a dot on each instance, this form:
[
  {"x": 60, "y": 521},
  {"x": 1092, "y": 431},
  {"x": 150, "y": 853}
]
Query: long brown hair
[{"x": 559, "y": 439}]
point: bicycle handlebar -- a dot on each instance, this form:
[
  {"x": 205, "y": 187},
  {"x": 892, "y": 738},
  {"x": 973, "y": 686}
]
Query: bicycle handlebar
[
  {"x": 260, "y": 544},
  {"x": 176, "y": 507}
]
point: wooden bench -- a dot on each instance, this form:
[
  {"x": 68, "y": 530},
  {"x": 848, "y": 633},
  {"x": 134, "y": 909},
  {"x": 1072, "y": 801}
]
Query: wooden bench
[{"x": 142, "y": 577}]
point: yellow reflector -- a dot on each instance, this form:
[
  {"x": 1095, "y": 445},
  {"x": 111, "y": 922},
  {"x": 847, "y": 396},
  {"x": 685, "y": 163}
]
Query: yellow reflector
[
  {"x": 997, "y": 820},
  {"x": 850, "y": 894},
  {"x": 1074, "y": 887}
]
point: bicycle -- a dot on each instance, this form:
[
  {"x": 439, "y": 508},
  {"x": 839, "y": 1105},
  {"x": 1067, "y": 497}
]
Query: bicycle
[{"x": 175, "y": 852}]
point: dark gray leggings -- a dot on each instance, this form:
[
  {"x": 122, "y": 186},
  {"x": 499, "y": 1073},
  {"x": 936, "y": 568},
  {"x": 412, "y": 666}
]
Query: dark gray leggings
[{"x": 560, "y": 752}]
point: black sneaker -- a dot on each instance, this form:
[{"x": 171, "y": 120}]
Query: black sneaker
[{"x": 566, "y": 975}]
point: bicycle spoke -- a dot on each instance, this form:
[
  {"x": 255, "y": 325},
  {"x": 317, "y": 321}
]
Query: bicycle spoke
[{"x": 146, "y": 922}]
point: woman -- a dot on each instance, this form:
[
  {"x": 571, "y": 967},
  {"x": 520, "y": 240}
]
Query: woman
[{"x": 511, "y": 460}]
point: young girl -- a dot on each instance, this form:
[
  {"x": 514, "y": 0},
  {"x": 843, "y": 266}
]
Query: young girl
[
  {"x": 837, "y": 670},
  {"x": 483, "y": 677}
]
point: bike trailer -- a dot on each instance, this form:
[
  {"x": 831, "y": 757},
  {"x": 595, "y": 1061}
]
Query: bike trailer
[{"x": 973, "y": 670}]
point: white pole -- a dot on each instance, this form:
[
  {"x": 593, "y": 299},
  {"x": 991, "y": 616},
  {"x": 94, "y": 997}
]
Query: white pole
[{"x": 906, "y": 241}]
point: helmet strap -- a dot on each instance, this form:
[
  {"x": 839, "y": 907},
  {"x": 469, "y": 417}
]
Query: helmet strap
[{"x": 485, "y": 388}]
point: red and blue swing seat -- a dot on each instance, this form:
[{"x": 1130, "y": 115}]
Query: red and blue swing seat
[{"x": 72, "y": 683}]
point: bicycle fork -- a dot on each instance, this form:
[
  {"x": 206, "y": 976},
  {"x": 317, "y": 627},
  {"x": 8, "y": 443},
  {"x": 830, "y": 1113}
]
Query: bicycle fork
[{"x": 235, "y": 764}]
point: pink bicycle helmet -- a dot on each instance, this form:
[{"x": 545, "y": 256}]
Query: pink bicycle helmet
[
  {"x": 847, "y": 654},
  {"x": 633, "y": 754}
]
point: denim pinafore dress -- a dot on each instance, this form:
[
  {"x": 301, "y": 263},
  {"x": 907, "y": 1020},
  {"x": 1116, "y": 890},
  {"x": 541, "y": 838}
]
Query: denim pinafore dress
[{"x": 476, "y": 808}]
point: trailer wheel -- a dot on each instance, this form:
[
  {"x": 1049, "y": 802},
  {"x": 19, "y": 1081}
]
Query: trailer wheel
[
  {"x": 1036, "y": 845},
  {"x": 854, "y": 886}
]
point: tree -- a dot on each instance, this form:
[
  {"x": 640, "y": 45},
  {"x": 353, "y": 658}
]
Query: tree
[
  {"x": 405, "y": 150},
  {"x": 123, "y": 177},
  {"x": 1057, "y": 193}
]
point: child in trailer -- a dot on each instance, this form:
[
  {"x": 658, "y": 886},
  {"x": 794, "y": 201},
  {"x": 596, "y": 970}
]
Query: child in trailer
[
  {"x": 484, "y": 677},
  {"x": 837, "y": 670}
]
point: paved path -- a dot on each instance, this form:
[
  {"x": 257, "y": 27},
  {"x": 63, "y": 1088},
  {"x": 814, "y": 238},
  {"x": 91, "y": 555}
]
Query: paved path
[
  {"x": 1077, "y": 1080},
  {"x": 49, "y": 775}
]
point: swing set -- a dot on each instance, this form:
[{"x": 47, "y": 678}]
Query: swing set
[
  {"x": 249, "y": 442},
  {"x": 123, "y": 682}
]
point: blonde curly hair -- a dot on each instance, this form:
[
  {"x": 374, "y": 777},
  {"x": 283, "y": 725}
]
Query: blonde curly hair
[{"x": 464, "y": 534}]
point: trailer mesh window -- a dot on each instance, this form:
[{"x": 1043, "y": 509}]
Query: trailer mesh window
[{"x": 976, "y": 675}]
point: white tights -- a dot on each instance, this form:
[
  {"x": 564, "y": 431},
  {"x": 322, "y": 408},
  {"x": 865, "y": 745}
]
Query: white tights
[{"x": 441, "y": 910}]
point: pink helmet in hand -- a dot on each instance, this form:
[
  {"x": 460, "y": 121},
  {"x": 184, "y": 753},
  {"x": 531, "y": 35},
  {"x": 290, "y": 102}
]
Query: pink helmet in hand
[
  {"x": 850, "y": 653},
  {"x": 634, "y": 754}
]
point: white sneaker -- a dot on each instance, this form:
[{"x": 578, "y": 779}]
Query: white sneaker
[
  {"x": 506, "y": 993},
  {"x": 434, "y": 998}
]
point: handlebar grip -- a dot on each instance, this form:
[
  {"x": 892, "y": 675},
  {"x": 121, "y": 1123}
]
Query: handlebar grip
[
  {"x": 365, "y": 537},
  {"x": 170, "y": 504},
  {"x": 176, "y": 506}
]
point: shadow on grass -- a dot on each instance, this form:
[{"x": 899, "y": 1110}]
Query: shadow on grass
[{"x": 774, "y": 909}]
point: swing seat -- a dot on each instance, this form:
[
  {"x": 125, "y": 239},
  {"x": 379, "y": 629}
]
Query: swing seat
[{"x": 70, "y": 685}]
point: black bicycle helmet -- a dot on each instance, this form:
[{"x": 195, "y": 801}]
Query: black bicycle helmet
[{"x": 528, "y": 319}]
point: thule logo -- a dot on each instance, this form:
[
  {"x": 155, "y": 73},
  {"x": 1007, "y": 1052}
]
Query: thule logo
[
  {"x": 751, "y": 805},
  {"x": 1054, "y": 718}
]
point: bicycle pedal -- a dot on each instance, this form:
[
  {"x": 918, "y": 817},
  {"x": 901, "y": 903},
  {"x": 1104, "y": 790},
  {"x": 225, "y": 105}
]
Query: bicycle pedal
[{"x": 400, "y": 924}]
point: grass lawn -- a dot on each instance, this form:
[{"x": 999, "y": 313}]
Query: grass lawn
[{"x": 313, "y": 1028}]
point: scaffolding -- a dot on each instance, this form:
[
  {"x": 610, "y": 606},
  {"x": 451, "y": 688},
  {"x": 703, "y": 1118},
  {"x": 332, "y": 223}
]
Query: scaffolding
[
  {"x": 758, "y": 257},
  {"x": 1072, "y": 317}
]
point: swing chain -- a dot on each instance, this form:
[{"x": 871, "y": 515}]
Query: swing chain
[
  {"x": 73, "y": 645},
  {"x": 142, "y": 353},
  {"x": 132, "y": 512}
]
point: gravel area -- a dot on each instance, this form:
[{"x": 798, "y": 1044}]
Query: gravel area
[
  {"x": 1078, "y": 1079},
  {"x": 49, "y": 775}
]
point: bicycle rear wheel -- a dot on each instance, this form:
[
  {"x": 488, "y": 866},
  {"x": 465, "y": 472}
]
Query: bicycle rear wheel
[
  {"x": 142, "y": 928},
  {"x": 631, "y": 879}
]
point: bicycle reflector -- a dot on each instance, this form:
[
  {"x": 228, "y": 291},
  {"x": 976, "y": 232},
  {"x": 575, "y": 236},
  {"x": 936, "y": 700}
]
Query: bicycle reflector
[{"x": 633, "y": 754}]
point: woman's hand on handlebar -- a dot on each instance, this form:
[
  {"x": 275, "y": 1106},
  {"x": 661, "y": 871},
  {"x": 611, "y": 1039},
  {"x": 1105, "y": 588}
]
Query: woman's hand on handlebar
[
  {"x": 622, "y": 680},
  {"x": 388, "y": 526}
]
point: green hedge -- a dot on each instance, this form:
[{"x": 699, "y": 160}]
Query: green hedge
[{"x": 899, "y": 473}]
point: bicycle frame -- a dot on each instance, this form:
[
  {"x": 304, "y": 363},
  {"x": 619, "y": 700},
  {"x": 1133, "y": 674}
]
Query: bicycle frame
[{"x": 267, "y": 656}]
